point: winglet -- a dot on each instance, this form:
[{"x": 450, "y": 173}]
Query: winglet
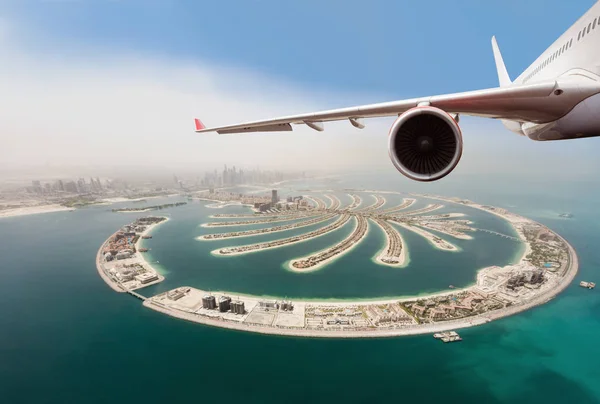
[
  {"x": 199, "y": 125},
  {"x": 503, "y": 77}
]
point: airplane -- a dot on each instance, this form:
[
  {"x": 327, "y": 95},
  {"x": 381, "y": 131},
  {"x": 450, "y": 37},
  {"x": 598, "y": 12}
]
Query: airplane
[{"x": 556, "y": 97}]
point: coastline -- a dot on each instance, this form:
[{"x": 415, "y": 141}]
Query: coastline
[
  {"x": 403, "y": 258},
  {"x": 429, "y": 236},
  {"x": 548, "y": 292},
  {"x": 33, "y": 210},
  {"x": 139, "y": 258},
  {"x": 268, "y": 230},
  {"x": 333, "y": 258},
  {"x": 275, "y": 219},
  {"x": 340, "y": 222}
]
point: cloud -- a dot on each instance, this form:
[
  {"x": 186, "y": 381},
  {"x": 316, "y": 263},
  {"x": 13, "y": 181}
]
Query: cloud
[
  {"x": 80, "y": 107},
  {"x": 64, "y": 105}
]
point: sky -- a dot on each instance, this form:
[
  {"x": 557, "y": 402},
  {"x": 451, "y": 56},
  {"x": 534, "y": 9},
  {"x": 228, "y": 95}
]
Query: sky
[{"x": 108, "y": 83}]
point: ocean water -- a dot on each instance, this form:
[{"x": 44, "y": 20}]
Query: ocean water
[{"x": 66, "y": 337}]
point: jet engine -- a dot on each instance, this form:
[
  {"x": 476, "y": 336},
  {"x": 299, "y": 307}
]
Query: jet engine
[{"x": 425, "y": 143}]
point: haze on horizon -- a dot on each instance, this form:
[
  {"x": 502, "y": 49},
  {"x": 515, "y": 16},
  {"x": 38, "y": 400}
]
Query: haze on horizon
[{"x": 104, "y": 99}]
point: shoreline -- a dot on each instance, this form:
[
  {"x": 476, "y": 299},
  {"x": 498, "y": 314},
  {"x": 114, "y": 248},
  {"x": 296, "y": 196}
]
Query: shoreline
[
  {"x": 430, "y": 237},
  {"x": 557, "y": 284},
  {"x": 33, "y": 210},
  {"x": 327, "y": 261},
  {"x": 212, "y": 225},
  {"x": 403, "y": 258},
  {"x": 338, "y": 224},
  {"x": 266, "y": 230},
  {"x": 460, "y": 236},
  {"x": 140, "y": 257},
  {"x": 380, "y": 202},
  {"x": 406, "y": 203}
]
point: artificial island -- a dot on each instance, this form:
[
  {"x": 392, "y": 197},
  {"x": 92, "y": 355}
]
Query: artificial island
[{"x": 547, "y": 266}]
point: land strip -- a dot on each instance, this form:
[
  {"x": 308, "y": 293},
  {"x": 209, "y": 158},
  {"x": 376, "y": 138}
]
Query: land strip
[
  {"x": 255, "y": 232},
  {"x": 244, "y": 249},
  {"x": 394, "y": 253},
  {"x": 319, "y": 259}
]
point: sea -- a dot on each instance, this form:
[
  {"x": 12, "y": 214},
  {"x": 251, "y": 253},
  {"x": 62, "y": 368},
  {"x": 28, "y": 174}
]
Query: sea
[{"x": 66, "y": 337}]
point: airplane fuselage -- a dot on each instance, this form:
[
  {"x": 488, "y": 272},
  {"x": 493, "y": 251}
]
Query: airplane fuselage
[{"x": 573, "y": 57}]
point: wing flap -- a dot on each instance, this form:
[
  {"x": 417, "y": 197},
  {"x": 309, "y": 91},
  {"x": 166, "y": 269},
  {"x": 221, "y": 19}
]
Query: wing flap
[
  {"x": 281, "y": 127},
  {"x": 501, "y": 102}
]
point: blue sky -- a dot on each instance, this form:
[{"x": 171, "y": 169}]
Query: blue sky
[
  {"x": 265, "y": 57},
  {"x": 396, "y": 48}
]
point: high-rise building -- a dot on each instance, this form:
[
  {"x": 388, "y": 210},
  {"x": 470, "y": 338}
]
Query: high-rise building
[
  {"x": 237, "y": 307},
  {"x": 209, "y": 302},
  {"x": 60, "y": 185},
  {"x": 224, "y": 303},
  {"x": 81, "y": 186},
  {"x": 274, "y": 198},
  {"x": 70, "y": 187},
  {"x": 37, "y": 187}
]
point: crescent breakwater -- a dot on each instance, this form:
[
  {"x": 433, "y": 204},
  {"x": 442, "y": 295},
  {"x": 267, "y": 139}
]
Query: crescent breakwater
[{"x": 547, "y": 266}]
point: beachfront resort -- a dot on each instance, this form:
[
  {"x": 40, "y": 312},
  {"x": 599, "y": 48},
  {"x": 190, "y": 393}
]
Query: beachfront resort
[{"x": 547, "y": 266}]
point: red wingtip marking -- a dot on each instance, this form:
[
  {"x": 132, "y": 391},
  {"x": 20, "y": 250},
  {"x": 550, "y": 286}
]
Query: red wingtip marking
[{"x": 199, "y": 124}]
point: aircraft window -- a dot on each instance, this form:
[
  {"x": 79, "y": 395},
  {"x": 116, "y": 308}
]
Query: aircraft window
[
  {"x": 571, "y": 42},
  {"x": 589, "y": 27},
  {"x": 579, "y": 36},
  {"x": 594, "y": 24},
  {"x": 582, "y": 33}
]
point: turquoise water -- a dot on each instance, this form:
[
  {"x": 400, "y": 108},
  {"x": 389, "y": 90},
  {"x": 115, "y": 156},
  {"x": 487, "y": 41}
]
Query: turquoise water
[{"x": 66, "y": 337}]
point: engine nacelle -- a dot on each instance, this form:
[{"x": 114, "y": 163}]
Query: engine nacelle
[{"x": 425, "y": 143}]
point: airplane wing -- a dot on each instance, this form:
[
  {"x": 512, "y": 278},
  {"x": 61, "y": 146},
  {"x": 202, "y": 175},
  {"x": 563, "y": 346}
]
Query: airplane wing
[{"x": 519, "y": 102}]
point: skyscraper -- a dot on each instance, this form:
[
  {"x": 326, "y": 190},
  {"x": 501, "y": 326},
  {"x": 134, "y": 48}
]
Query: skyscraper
[{"x": 274, "y": 198}]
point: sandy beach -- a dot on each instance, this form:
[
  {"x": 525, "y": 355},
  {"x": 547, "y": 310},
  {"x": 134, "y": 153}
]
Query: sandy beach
[
  {"x": 325, "y": 262},
  {"x": 139, "y": 258},
  {"x": 268, "y": 230},
  {"x": 260, "y": 220},
  {"x": 403, "y": 258},
  {"x": 460, "y": 236},
  {"x": 380, "y": 201},
  {"x": 545, "y": 293},
  {"x": 33, "y": 210},
  {"x": 443, "y": 245},
  {"x": 292, "y": 240}
]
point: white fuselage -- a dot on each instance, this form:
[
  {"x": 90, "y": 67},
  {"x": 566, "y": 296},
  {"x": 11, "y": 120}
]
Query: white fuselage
[{"x": 575, "y": 56}]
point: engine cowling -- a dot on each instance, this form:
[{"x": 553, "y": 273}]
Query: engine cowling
[{"x": 425, "y": 143}]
